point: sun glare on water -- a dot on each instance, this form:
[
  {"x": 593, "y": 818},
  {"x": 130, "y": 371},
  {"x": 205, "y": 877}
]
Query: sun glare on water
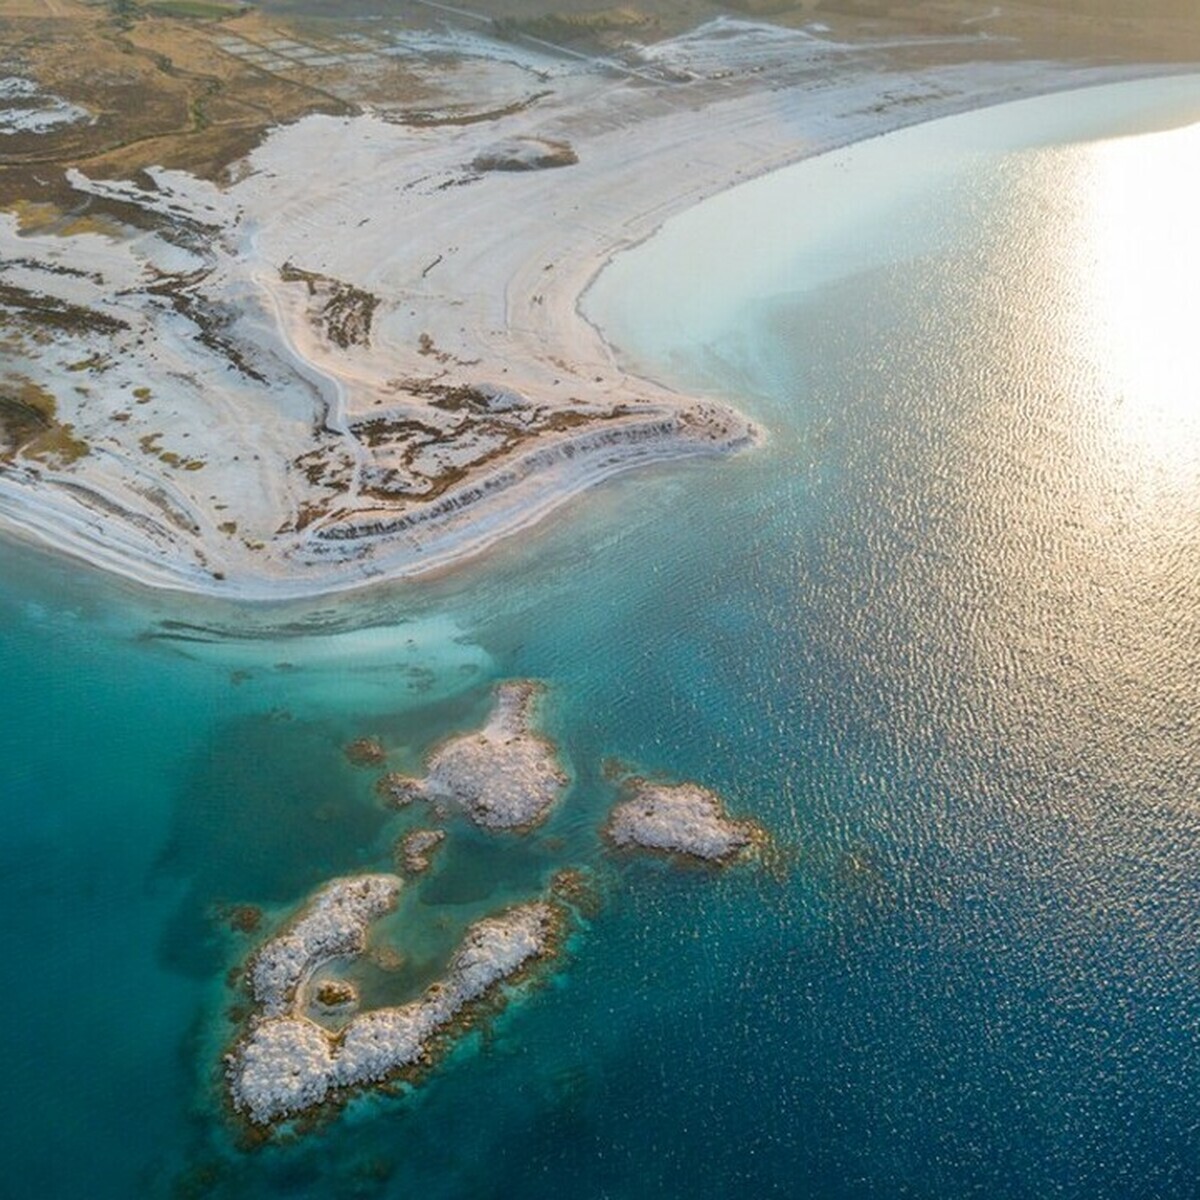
[{"x": 1137, "y": 264}]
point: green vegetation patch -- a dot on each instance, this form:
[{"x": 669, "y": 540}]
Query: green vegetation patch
[
  {"x": 29, "y": 426},
  {"x": 570, "y": 26},
  {"x": 149, "y": 445},
  {"x": 199, "y": 10}
]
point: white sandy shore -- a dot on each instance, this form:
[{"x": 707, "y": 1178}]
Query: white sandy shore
[{"x": 253, "y": 464}]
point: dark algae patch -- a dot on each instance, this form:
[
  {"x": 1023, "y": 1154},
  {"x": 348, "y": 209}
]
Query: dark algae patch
[{"x": 281, "y": 787}]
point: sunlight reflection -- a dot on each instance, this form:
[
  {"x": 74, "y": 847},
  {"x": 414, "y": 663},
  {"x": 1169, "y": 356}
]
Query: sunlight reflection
[{"x": 1137, "y": 260}]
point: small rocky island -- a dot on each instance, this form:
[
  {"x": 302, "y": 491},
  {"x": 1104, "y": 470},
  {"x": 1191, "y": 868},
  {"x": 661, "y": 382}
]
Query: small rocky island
[
  {"x": 417, "y": 846},
  {"x": 682, "y": 819},
  {"x": 286, "y": 1063},
  {"x": 503, "y": 776}
]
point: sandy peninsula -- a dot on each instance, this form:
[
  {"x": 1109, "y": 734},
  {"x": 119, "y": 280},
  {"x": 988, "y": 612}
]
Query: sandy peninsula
[{"x": 359, "y": 354}]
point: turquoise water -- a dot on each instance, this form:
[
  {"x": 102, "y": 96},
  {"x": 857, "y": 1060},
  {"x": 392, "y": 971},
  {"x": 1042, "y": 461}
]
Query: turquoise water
[{"x": 941, "y": 634}]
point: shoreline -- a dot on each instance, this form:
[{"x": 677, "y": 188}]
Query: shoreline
[
  {"x": 69, "y": 542},
  {"x": 525, "y": 319}
]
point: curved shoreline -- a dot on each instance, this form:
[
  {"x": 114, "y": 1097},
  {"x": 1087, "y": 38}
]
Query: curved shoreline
[
  {"x": 66, "y": 533},
  {"x": 1106, "y": 76},
  {"x": 537, "y": 324}
]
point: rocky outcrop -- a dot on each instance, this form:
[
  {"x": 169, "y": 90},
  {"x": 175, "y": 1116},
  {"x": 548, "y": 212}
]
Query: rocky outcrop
[
  {"x": 503, "y": 776},
  {"x": 683, "y": 819},
  {"x": 333, "y": 925},
  {"x": 286, "y": 1063},
  {"x": 417, "y": 846}
]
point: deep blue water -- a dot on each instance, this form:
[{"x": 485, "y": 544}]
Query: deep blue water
[{"x": 941, "y": 635}]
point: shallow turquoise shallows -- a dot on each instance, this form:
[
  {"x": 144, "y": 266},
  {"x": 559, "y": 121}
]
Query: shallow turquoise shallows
[{"x": 941, "y": 634}]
